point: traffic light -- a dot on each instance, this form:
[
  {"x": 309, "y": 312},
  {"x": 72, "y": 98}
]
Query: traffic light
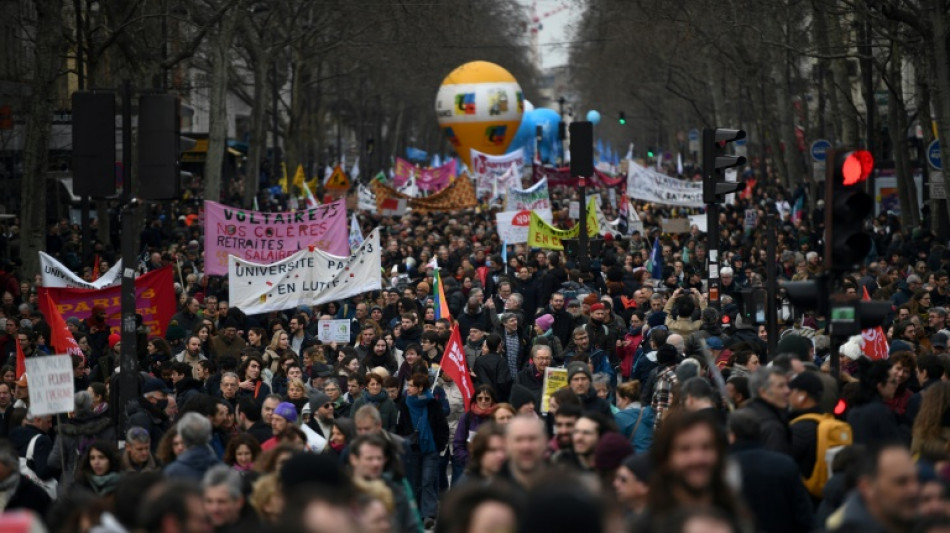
[
  {"x": 716, "y": 161},
  {"x": 650, "y": 152},
  {"x": 850, "y": 209},
  {"x": 623, "y": 118}
]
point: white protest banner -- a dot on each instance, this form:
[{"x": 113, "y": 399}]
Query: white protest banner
[
  {"x": 574, "y": 210},
  {"x": 513, "y": 225},
  {"x": 56, "y": 275},
  {"x": 534, "y": 198},
  {"x": 649, "y": 185},
  {"x": 367, "y": 200},
  {"x": 333, "y": 331},
  {"x": 488, "y": 170},
  {"x": 308, "y": 277},
  {"x": 51, "y": 384},
  {"x": 606, "y": 227},
  {"x": 633, "y": 219}
]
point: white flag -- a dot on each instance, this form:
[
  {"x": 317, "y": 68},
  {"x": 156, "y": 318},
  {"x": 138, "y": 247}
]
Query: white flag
[
  {"x": 356, "y": 236},
  {"x": 310, "y": 201},
  {"x": 355, "y": 171},
  {"x": 327, "y": 172},
  {"x": 679, "y": 164}
]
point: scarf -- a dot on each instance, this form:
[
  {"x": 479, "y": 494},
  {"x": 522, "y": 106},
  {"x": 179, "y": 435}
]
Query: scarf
[
  {"x": 377, "y": 398},
  {"x": 481, "y": 413},
  {"x": 337, "y": 447},
  {"x": 419, "y": 412},
  {"x": 246, "y": 468},
  {"x": 104, "y": 484},
  {"x": 101, "y": 408}
]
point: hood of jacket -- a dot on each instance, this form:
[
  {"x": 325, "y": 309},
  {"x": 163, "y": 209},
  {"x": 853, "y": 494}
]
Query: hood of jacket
[{"x": 76, "y": 427}]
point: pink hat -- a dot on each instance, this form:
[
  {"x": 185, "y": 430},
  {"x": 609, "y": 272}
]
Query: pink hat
[{"x": 544, "y": 322}]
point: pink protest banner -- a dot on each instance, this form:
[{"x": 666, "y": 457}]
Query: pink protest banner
[
  {"x": 561, "y": 177},
  {"x": 436, "y": 179},
  {"x": 403, "y": 171},
  {"x": 268, "y": 237},
  {"x": 154, "y": 300}
]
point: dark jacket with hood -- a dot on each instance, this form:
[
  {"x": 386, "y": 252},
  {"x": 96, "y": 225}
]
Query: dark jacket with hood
[
  {"x": 592, "y": 402},
  {"x": 142, "y": 413},
  {"x": 192, "y": 464},
  {"x": 187, "y": 389},
  {"x": 773, "y": 426},
  {"x": 77, "y": 434},
  {"x": 773, "y": 489}
]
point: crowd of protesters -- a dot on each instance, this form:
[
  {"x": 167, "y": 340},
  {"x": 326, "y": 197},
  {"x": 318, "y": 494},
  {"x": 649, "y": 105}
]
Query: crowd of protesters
[{"x": 675, "y": 417}]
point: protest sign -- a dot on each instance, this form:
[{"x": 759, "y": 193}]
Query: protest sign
[
  {"x": 154, "y": 300},
  {"x": 699, "y": 221},
  {"x": 460, "y": 194},
  {"x": 366, "y": 199},
  {"x": 55, "y": 274},
  {"x": 544, "y": 235},
  {"x": 402, "y": 172},
  {"x": 513, "y": 225},
  {"x": 675, "y": 225},
  {"x": 489, "y": 170},
  {"x": 333, "y": 331},
  {"x": 268, "y": 237},
  {"x": 308, "y": 277},
  {"x": 534, "y": 198},
  {"x": 436, "y": 179},
  {"x": 51, "y": 384},
  {"x": 648, "y": 185},
  {"x": 554, "y": 379}
]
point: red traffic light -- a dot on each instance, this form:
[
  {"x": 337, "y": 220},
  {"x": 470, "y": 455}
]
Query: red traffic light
[{"x": 856, "y": 167}]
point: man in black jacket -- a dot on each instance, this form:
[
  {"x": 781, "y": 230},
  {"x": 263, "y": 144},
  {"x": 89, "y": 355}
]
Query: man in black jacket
[
  {"x": 563, "y": 321},
  {"x": 579, "y": 380},
  {"x": 769, "y": 387},
  {"x": 19, "y": 491},
  {"x": 804, "y": 398},
  {"x": 492, "y": 369},
  {"x": 532, "y": 375},
  {"x": 771, "y": 483},
  {"x": 35, "y": 427}
]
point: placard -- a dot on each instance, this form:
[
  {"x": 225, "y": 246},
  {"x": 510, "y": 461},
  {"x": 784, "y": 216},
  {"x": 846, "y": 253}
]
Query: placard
[
  {"x": 554, "y": 380},
  {"x": 333, "y": 331},
  {"x": 51, "y": 384}
]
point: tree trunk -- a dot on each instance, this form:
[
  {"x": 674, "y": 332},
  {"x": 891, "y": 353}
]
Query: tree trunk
[
  {"x": 897, "y": 130},
  {"x": 258, "y": 139},
  {"x": 218, "y": 113},
  {"x": 941, "y": 79},
  {"x": 47, "y": 65}
]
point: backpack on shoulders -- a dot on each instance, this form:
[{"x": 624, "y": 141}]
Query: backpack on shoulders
[{"x": 833, "y": 435}]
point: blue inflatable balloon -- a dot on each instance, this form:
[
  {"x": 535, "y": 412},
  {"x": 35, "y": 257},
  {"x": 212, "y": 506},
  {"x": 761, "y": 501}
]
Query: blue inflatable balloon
[
  {"x": 548, "y": 119},
  {"x": 593, "y": 116}
]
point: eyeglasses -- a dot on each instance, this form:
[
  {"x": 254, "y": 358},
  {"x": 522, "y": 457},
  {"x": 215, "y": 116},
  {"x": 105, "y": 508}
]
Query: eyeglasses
[{"x": 328, "y": 406}]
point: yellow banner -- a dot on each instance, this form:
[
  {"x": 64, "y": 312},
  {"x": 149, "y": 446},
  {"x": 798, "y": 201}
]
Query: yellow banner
[
  {"x": 554, "y": 379},
  {"x": 543, "y": 235}
]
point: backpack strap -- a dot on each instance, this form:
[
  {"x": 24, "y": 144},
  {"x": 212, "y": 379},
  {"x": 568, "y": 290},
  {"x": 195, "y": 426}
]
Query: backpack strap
[
  {"x": 636, "y": 424},
  {"x": 815, "y": 417},
  {"x": 32, "y": 447}
]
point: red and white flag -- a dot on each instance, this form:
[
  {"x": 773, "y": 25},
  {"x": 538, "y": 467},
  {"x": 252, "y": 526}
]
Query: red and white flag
[
  {"x": 455, "y": 365},
  {"x": 61, "y": 339},
  {"x": 875, "y": 343}
]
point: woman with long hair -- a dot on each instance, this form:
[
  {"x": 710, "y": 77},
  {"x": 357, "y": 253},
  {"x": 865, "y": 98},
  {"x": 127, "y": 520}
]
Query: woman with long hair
[
  {"x": 931, "y": 432},
  {"x": 242, "y": 451},
  {"x": 342, "y": 431},
  {"x": 411, "y": 356},
  {"x": 170, "y": 447},
  {"x": 480, "y": 411},
  {"x": 904, "y": 368},
  {"x": 487, "y": 454},
  {"x": 920, "y": 305},
  {"x": 257, "y": 338},
  {"x": 205, "y": 332},
  {"x": 98, "y": 468},
  {"x": 376, "y": 395},
  {"x": 278, "y": 347},
  {"x": 159, "y": 354},
  {"x": 252, "y": 384}
]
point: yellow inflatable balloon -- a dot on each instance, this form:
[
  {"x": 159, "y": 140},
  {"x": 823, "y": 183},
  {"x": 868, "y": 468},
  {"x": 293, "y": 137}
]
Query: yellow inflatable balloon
[{"x": 479, "y": 106}]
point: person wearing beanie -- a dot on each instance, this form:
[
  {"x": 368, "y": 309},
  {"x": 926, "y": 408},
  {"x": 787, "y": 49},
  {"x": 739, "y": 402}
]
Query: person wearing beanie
[
  {"x": 544, "y": 329},
  {"x": 632, "y": 485},
  {"x": 283, "y": 417},
  {"x": 579, "y": 378},
  {"x": 798, "y": 345},
  {"x": 523, "y": 400},
  {"x": 804, "y": 399},
  {"x": 76, "y": 432},
  {"x": 611, "y": 451}
]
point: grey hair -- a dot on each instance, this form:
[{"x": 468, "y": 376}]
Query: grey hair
[
  {"x": 601, "y": 378},
  {"x": 518, "y": 297},
  {"x": 195, "y": 430},
  {"x": 83, "y": 401},
  {"x": 368, "y": 412},
  {"x": 138, "y": 434},
  {"x": 231, "y": 375},
  {"x": 539, "y": 347},
  {"x": 760, "y": 378},
  {"x": 223, "y": 475}
]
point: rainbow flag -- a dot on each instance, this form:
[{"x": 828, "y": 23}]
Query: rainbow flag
[{"x": 438, "y": 294}]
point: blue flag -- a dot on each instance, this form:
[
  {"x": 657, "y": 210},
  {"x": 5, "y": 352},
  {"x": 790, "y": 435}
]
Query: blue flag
[{"x": 656, "y": 260}]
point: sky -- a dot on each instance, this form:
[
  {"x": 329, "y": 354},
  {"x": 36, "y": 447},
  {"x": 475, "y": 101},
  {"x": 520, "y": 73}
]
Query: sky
[{"x": 555, "y": 29}]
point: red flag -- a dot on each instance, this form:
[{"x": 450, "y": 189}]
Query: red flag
[
  {"x": 455, "y": 366},
  {"x": 875, "y": 343},
  {"x": 61, "y": 339},
  {"x": 95, "y": 268},
  {"x": 20, "y": 360}
]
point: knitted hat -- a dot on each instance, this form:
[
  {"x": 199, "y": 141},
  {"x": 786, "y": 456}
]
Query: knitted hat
[
  {"x": 666, "y": 355},
  {"x": 853, "y": 348},
  {"x": 287, "y": 411},
  {"x": 714, "y": 343},
  {"x": 611, "y": 450},
  {"x": 578, "y": 368},
  {"x": 809, "y": 383},
  {"x": 520, "y": 396},
  {"x": 597, "y": 307},
  {"x": 939, "y": 340},
  {"x": 544, "y": 322},
  {"x": 154, "y": 385},
  {"x": 899, "y": 346},
  {"x": 114, "y": 339},
  {"x": 318, "y": 400},
  {"x": 656, "y": 318},
  {"x": 641, "y": 466},
  {"x": 74, "y": 321},
  {"x": 795, "y": 344},
  {"x": 320, "y": 370},
  {"x": 174, "y": 333}
]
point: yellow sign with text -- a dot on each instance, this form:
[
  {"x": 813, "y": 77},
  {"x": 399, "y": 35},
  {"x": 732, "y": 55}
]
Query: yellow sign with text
[
  {"x": 554, "y": 379},
  {"x": 543, "y": 235}
]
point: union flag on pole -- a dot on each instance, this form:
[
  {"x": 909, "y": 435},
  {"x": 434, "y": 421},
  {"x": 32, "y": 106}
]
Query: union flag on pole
[
  {"x": 61, "y": 339},
  {"x": 455, "y": 366},
  {"x": 875, "y": 343}
]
